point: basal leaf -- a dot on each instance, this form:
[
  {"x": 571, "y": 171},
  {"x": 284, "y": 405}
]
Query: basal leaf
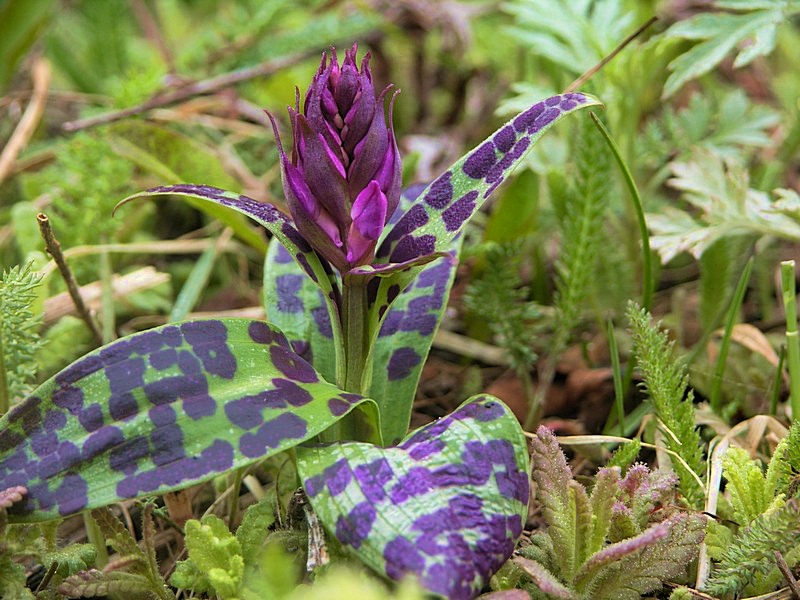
[
  {"x": 634, "y": 567},
  {"x": 161, "y": 410},
  {"x": 446, "y": 505},
  {"x": 404, "y": 341},
  {"x": 278, "y": 224},
  {"x": 561, "y": 498},
  {"x": 305, "y": 315}
]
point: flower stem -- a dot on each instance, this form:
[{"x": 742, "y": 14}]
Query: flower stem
[
  {"x": 356, "y": 335},
  {"x": 355, "y": 332}
]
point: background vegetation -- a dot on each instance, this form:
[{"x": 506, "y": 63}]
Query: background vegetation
[{"x": 104, "y": 98}]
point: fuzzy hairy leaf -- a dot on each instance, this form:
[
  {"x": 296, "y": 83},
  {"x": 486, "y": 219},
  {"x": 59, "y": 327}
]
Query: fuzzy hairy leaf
[
  {"x": 602, "y": 499},
  {"x": 629, "y": 569},
  {"x": 564, "y": 502},
  {"x": 446, "y": 505},
  {"x": 94, "y": 583},
  {"x": 545, "y": 580},
  {"x": 161, "y": 410}
]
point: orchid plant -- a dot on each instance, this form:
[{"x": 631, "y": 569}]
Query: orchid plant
[{"x": 355, "y": 284}]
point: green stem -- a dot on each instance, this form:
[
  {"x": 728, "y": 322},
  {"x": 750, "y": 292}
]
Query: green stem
[
  {"x": 722, "y": 359},
  {"x": 647, "y": 268},
  {"x": 355, "y": 323},
  {"x": 792, "y": 340},
  {"x": 619, "y": 385}
]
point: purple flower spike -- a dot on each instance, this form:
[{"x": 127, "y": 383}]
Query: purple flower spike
[{"x": 343, "y": 180}]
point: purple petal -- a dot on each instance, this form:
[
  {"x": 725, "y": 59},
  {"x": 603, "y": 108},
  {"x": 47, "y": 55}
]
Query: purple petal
[
  {"x": 369, "y": 215},
  {"x": 370, "y": 153}
]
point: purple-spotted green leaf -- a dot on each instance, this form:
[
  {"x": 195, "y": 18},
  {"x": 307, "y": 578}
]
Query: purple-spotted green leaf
[
  {"x": 452, "y": 198},
  {"x": 298, "y": 308},
  {"x": 161, "y": 410},
  {"x": 404, "y": 341},
  {"x": 447, "y": 505},
  {"x": 443, "y": 208},
  {"x": 278, "y": 224}
]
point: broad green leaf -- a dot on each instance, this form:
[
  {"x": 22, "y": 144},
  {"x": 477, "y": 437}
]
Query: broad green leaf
[
  {"x": 447, "y": 505},
  {"x": 161, "y": 410},
  {"x": 172, "y": 156},
  {"x": 278, "y": 224},
  {"x": 720, "y": 33},
  {"x": 298, "y": 308},
  {"x": 432, "y": 221},
  {"x": 401, "y": 348}
]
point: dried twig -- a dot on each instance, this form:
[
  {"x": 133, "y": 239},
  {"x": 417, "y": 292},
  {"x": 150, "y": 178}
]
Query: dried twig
[
  {"x": 29, "y": 121},
  {"x": 54, "y": 248},
  {"x": 787, "y": 575},
  {"x": 607, "y": 59},
  {"x": 189, "y": 90}
]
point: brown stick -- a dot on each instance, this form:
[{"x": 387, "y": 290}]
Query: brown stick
[
  {"x": 192, "y": 89},
  {"x": 787, "y": 575},
  {"x": 607, "y": 59},
  {"x": 54, "y": 248},
  {"x": 27, "y": 125}
]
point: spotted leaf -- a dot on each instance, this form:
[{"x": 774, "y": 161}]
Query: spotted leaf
[
  {"x": 447, "y": 505},
  {"x": 278, "y": 224},
  {"x": 161, "y": 410},
  {"x": 452, "y": 198},
  {"x": 431, "y": 223},
  {"x": 404, "y": 340},
  {"x": 298, "y": 308}
]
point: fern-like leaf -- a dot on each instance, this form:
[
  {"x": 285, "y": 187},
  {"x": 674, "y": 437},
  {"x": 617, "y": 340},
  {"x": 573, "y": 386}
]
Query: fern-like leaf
[
  {"x": 752, "y": 552},
  {"x": 19, "y": 334},
  {"x": 665, "y": 380}
]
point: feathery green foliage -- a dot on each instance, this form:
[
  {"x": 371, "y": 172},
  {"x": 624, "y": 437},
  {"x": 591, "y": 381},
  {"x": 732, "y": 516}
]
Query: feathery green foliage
[
  {"x": 499, "y": 298},
  {"x": 750, "y": 559},
  {"x": 665, "y": 381},
  {"x": 719, "y": 191},
  {"x": 580, "y": 210},
  {"x": 752, "y": 28},
  {"x": 19, "y": 334},
  {"x": 745, "y": 560}
]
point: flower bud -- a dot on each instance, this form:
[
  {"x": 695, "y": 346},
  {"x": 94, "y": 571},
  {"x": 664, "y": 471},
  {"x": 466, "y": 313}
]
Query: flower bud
[{"x": 343, "y": 180}]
